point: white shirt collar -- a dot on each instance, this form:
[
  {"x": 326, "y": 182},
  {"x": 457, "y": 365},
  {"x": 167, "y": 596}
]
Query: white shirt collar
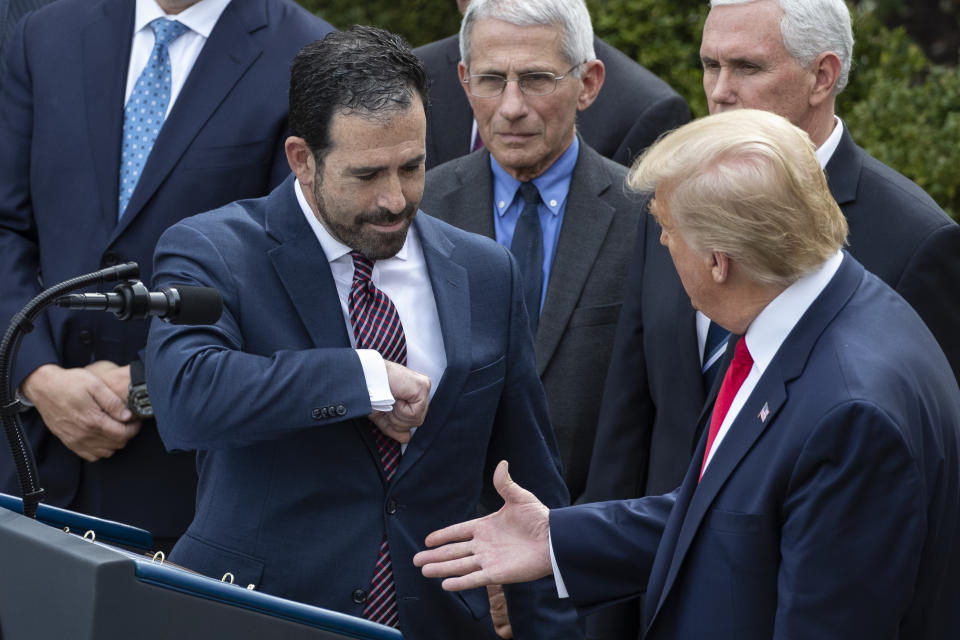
[
  {"x": 772, "y": 326},
  {"x": 333, "y": 248},
  {"x": 825, "y": 151},
  {"x": 200, "y": 18}
]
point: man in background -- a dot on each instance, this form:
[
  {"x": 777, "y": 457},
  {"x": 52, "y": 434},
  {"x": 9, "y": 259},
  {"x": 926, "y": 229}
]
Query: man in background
[
  {"x": 623, "y": 120},
  {"x": 119, "y": 118},
  {"x": 538, "y": 188}
]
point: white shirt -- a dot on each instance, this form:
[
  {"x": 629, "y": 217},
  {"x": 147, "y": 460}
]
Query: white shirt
[
  {"x": 764, "y": 337},
  {"x": 405, "y": 280},
  {"x": 200, "y": 20},
  {"x": 824, "y": 152}
]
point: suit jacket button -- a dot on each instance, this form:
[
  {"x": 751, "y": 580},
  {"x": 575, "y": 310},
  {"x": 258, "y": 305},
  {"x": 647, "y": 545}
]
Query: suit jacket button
[
  {"x": 316, "y": 414},
  {"x": 110, "y": 258},
  {"x": 341, "y": 410},
  {"x": 85, "y": 336},
  {"x": 391, "y": 506},
  {"x": 359, "y": 596}
]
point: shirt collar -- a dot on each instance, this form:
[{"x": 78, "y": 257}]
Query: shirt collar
[
  {"x": 553, "y": 184},
  {"x": 772, "y": 326},
  {"x": 200, "y": 18},
  {"x": 825, "y": 151},
  {"x": 332, "y": 248}
]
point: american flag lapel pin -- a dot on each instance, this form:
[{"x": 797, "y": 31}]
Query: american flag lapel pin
[{"x": 764, "y": 412}]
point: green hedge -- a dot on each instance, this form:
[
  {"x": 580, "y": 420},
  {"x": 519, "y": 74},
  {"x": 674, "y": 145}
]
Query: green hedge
[{"x": 900, "y": 107}]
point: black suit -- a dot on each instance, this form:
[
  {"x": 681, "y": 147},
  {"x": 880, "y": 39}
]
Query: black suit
[
  {"x": 654, "y": 390},
  {"x": 633, "y": 108}
]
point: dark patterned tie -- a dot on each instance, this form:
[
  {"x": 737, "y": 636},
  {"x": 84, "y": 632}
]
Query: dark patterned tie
[
  {"x": 376, "y": 325},
  {"x": 527, "y": 248},
  {"x": 713, "y": 351}
]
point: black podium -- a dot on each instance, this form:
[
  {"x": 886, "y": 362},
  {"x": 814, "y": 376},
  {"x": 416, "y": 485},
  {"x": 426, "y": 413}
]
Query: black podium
[{"x": 58, "y": 584}]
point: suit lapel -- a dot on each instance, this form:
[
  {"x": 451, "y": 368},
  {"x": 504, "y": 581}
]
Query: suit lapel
[
  {"x": 771, "y": 393},
  {"x": 586, "y": 219},
  {"x": 225, "y": 57},
  {"x": 104, "y": 60},
  {"x": 468, "y": 200},
  {"x": 303, "y": 268},
  {"x": 451, "y": 291},
  {"x": 843, "y": 170}
]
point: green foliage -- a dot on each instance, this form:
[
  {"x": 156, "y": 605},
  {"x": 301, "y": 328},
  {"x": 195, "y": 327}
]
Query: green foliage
[
  {"x": 900, "y": 107},
  {"x": 904, "y": 110},
  {"x": 418, "y": 21}
]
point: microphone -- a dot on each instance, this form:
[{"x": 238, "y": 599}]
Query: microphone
[{"x": 133, "y": 301}]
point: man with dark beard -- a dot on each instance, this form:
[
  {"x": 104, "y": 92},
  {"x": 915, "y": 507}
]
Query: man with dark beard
[{"x": 347, "y": 313}]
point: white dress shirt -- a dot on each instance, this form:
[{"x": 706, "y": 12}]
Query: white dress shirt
[
  {"x": 200, "y": 20},
  {"x": 405, "y": 280}
]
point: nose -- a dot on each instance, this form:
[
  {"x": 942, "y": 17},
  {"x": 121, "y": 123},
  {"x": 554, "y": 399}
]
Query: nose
[
  {"x": 513, "y": 103},
  {"x": 663, "y": 236},
  {"x": 719, "y": 89},
  {"x": 391, "y": 197}
]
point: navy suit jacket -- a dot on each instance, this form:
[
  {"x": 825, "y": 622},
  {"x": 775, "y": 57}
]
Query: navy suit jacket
[
  {"x": 633, "y": 108},
  {"x": 830, "y": 510},
  {"x": 292, "y": 496},
  {"x": 61, "y": 119}
]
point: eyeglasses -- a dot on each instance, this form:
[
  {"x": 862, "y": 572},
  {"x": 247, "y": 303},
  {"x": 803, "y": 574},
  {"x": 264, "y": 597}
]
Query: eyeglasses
[{"x": 535, "y": 83}]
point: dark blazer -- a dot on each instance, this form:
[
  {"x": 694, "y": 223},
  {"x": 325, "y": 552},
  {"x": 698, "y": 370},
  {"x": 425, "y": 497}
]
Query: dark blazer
[
  {"x": 633, "y": 108},
  {"x": 654, "y": 391},
  {"x": 292, "y": 497},
  {"x": 585, "y": 292},
  {"x": 835, "y": 515},
  {"x": 61, "y": 118}
]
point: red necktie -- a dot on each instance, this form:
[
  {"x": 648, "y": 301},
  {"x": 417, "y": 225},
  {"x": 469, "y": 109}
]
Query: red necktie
[
  {"x": 732, "y": 381},
  {"x": 376, "y": 325}
]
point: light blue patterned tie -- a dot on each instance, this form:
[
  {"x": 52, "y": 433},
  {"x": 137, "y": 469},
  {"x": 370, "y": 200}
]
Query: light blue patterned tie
[{"x": 146, "y": 108}]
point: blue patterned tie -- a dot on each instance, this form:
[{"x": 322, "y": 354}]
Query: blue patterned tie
[{"x": 146, "y": 108}]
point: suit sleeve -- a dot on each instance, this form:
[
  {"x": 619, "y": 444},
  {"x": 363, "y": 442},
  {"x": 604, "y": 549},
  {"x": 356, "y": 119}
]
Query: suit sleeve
[
  {"x": 19, "y": 245},
  {"x": 208, "y": 393},
  {"x": 522, "y": 435},
  {"x": 619, "y": 463},
  {"x": 930, "y": 283},
  {"x": 605, "y": 551},
  {"x": 854, "y": 525}
]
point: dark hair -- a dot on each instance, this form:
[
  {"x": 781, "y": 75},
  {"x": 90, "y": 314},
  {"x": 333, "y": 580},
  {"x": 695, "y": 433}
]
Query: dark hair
[{"x": 365, "y": 70}]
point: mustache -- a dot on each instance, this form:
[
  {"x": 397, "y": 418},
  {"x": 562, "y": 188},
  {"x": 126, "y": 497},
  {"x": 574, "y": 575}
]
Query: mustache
[{"x": 385, "y": 216}]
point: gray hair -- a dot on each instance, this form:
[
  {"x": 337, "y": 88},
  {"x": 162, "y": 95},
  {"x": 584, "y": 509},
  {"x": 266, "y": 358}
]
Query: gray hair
[
  {"x": 812, "y": 27},
  {"x": 571, "y": 16}
]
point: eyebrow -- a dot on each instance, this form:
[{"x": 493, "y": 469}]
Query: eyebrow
[{"x": 374, "y": 169}]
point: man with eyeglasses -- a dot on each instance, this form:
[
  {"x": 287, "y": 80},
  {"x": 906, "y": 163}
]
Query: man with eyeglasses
[
  {"x": 619, "y": 124},
  {"x": 528, "y": 67}
]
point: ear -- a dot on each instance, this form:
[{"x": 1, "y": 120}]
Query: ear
[
  {"x": 592, "y": 74},
  {"x": 301, "y": 160},
  {"x": 826, "y": 71},
  {"x": 719, "y": 267},
  {"x": 463, "y": 72}
]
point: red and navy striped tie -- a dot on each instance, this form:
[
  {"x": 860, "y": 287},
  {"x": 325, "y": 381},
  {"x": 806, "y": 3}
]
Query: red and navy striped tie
[{"x": 376, "y": 325}]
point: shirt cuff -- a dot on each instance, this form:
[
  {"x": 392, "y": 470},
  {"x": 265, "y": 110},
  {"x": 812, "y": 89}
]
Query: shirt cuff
[
  {"x": 26, "y": 404},
  {"x": 375, "y": 373},
  {"x": 561, "y": 588}
]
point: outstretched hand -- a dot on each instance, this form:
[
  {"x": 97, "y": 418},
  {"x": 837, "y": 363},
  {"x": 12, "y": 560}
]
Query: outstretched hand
[{"x": 511, "y": 545}]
